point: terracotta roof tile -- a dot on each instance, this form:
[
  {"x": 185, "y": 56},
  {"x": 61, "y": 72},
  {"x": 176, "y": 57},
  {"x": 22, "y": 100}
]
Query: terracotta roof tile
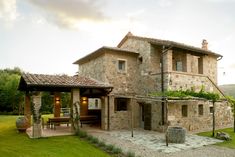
[
  {"x": 155, "y": 41},
  {"x": 102, "y": 50},
  {"x": 41, "y": 80}
]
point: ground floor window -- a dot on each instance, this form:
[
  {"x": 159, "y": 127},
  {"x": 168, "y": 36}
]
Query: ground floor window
[
  {"x": 211, "y": 109},
  {"x": 184, "y": 110},
  {"x": 200, "y": 110},
  {"x": 121, "y": 104}
]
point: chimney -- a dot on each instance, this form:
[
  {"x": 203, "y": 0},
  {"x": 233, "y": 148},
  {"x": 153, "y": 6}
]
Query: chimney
[{"x": 204, "y": 44}]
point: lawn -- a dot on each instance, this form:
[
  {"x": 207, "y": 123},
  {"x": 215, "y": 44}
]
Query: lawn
[
  {"x": 14, "y": 144},
  {"x": 229, "y": 144}
]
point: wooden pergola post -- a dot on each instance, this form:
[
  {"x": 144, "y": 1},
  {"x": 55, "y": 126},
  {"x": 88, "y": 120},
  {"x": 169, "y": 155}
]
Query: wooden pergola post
[
  {"x": 75, "y": 110},
  {"x": 27, "y": 108},
  {"x": 57, "y": 104}
]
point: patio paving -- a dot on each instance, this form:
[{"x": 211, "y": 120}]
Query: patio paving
[
  {"x": 48, "y": 132},
  {"x": 149, "y": 143}
]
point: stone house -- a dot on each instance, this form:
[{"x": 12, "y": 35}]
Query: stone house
[{"x": 139, "y": 66}]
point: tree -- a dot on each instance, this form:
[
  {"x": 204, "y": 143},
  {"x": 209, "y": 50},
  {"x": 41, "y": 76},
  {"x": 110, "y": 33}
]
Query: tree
[{"x": 10, "y": 97}]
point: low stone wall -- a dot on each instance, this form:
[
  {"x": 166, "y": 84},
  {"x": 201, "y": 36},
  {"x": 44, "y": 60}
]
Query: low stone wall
[
  {"x": 196, "y": 122},
  {"x": 120, "y": 120}
]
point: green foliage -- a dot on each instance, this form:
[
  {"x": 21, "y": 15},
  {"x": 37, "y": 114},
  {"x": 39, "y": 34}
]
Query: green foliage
[
  {"x": 95, "y": 140},
  {"x": 47, "y": 103},
  {"x": 101, "y": 144},
  {"x": 109, "y": 147},
  {"x": 189, "y": 94},
  {"x": 11, "y": 100},
  {"x": 229, "y": 144},
  {"x": 117, "y": 150},
  {"x": 89, "y": 137},
  {"x": 81, "y": 134},
  {"x": 130, "y": 154},
  {"x": 65, "y": 98},
  {"x": 13, "y": 144}
]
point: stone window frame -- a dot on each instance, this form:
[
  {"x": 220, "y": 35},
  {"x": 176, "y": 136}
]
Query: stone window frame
[
  {"x": 122, "y": 70},
  {"x": 200, "y": 109},
  {"x": 120, "y": 104},
  {"x": 184, "y": 110}
]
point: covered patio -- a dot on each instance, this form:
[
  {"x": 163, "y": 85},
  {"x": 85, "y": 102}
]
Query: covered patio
[{"x": 89, "y": 101}]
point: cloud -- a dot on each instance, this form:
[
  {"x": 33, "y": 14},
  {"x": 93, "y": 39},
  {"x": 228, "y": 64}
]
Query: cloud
[
  {"x": 8, "y": 11},
  {"x": 67, "y": 14}
]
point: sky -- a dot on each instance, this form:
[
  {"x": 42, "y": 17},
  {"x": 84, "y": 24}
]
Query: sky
[{"x": 47, "y": 36}]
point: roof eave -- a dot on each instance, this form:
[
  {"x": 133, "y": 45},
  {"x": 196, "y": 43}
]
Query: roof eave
[{"x": 185, "y": 47}]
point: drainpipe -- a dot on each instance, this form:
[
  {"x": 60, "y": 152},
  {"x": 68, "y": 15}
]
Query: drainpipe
[
  {"x": 108, "y": 114},
  {"x": 164, "y": 109},
  {"x": 162, "y": 84}
]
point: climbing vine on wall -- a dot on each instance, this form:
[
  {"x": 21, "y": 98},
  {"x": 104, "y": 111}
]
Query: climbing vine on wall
[{"x": 188, "y": 94}]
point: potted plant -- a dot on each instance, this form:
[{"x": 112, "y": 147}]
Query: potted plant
[{"x": 22, "y": 124}]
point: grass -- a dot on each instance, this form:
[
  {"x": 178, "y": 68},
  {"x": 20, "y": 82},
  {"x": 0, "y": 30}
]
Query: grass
[
  {"x": 14, "y": 144},
  {"x": 229, "y": 144}
]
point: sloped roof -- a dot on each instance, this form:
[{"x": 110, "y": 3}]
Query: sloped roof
[
  {"x": 40, "y": 81},
  {"x": 100, "y": 51},
  {"x": 167, "y": 43}
]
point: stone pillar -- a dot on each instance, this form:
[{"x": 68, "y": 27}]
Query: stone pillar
[
  {"x": 188, "y": 63},
  {"x": 75, "y": 109},
  {"x": 27, "y": 108},
  {"x": 167, "y": 61},
  {"x": 57, "y": 104},
  {"x": 104, "y": 113},
  {"x": 37, "y": 127}
]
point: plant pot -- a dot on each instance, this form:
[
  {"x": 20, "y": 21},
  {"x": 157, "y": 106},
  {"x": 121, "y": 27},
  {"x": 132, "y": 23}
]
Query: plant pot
[{"x": 22, "y": 124}]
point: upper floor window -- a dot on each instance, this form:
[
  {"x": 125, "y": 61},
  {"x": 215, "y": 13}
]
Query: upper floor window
[
  {"x": 179, "y": 66},
  {"x": 122, "y": 65}
]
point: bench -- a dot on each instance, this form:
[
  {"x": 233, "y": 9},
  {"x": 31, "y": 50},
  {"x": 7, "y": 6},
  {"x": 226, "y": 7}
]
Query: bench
[
  {"x": 52, "y": 122},
  {"x": 89, "y": 119}
]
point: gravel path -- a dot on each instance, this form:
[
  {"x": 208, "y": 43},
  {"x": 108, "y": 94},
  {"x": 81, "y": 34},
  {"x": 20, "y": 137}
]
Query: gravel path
[{"x": 152, "y": 144}]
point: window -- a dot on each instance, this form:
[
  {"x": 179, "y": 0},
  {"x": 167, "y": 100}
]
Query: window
[
  {"x": 184, "y": 110},
  {"x": 122, "y": 65},
  {"x": 200, "y": 110},
  {"x": 211, "y": 109},
  {"x": 179, "y": 66},
  {"x": 121, "y": 104}
]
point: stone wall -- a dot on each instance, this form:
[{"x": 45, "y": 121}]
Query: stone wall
[
  {"x": 156, "y": 116},
  {"x": 184, "y": 81},
  {"x": 94, "y": 68},
  {"x": 124, "y": 83},
  {"x": 119, "y": 119},
  {"x": 210, "y": 67},
  {"x": 196, "y": 122}
]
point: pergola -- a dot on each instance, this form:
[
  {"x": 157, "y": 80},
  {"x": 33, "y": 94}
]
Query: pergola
[{"x": 79, "y": 86}]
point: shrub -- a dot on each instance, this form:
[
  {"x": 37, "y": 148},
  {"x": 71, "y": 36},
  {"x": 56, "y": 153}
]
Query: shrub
[
  {"x": 109, "y": 147},
  {"x": 94, "y": 140},
  {"x": 101, "y": 144},
  {"x": 89, "y": 137},
  {"x": 116, "y": 150},
  {"x": 130, "y": 154},
  {"x": 82, "y": 134}
]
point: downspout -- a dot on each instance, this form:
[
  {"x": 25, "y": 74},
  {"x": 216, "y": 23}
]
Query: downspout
[
  {"x": 162, "y": 84},
  {"x": 109, "y": 109},
  {"x": 164, "y": 100},
  {"x": 108, "y": 114}
]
